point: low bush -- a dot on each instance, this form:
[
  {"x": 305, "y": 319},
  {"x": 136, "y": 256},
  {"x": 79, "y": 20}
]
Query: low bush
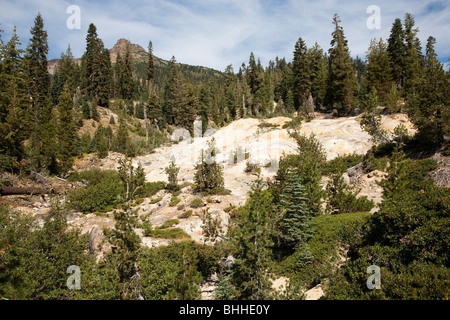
[
  {"x": 156, "y": 200},
  {"x": 341, "y": 164},
  {"x": 175, "y": 233},
  {"x": 174, "y": 201},
  {"x": 104, "y": 190},
  {"x": 185, "y": 214},
  {"x": 169, "y": 223},
  {"x": 197, "y": 203}
]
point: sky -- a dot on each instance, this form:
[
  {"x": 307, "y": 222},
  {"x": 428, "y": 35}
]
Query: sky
[{"x": 217, "y": 33}]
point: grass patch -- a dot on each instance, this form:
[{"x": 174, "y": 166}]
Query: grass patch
[
  {"x": 174, "y": 201},
  {"x": 175, "y": 233},
  {"x": 169, "y": 223},
  {"x": 156, "y": 200},
  {"x": 197, "y": 203},
  {"x": 185, "y": 214},
  {"x": 228, "y": 209}
]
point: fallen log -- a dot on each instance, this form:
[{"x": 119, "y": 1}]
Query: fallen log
[{"x": 7, "y": 191}]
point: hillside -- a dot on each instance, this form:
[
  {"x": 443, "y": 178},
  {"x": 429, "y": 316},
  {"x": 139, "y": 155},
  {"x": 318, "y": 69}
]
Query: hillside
[{"x": 140, "y": 55}]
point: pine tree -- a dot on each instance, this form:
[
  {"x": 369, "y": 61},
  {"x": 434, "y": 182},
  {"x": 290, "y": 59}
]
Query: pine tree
[
  {"x": 13, "y": 99},
  {"x": 296, "y": 220},
  {"x": 301, "y": 73},
  {"x": 97, "y": 68},
  {"x": 252, "y": 239},
  {"x": 341, "y": 73},
  {"x": 101, "y": 143},
  {"x": 122, "y": 140},
  {"x": 413, "y": 57},
  {"x": 379, "y": 69},
  {"x": 208, "y": 173},
  {"x": 150, "y": 67},
  {"x": 127, "y": 88},
  {"x": 118, "y": 75},
  {"x": 66, "y": 130},
  {"x": 171, "y": 94},
  {"x": 154, "y": 114},
  {"x": 172, "y": 174},
  {"x": 429, "y": 109},
  {"x": 86, "y": 110},
  {"x": 371, "y": 120},
  {"x": 43, "y": 148},
  {"x": 319, "y": 74},
  {"x": 185, "y": 111},
  {"x": 396, "y": 52}
]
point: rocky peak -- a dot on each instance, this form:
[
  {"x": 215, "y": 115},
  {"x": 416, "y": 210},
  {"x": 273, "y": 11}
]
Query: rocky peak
[{"x": 137, "y": 52}]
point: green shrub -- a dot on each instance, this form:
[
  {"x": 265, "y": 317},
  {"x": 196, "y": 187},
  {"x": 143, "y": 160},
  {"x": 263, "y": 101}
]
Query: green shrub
[
  {"x": 175, "y": 233},
  {"x": 156, "y": 200},
  {"x": 197, "y": 203},
  {"x": 104, "y": 190},
  {"x": 341, "y": 164},
  {"x": 185, "y": 214},
  {"x": 169, "y": 223},
  {"x": 174, "y": 201},
  {"x": 228, "y": 209},
  {"x": 151, "y": 188},
  {"x": 329, "y": 233},
  {"x": 147, "y": 227},
  {"x": 295, "y": 123},
  {"x": 221, "y": 191},
  {"x": 342, "y": 198},
  {"x": 180, "y": 207},
  {"x": 268, "y": 125}
]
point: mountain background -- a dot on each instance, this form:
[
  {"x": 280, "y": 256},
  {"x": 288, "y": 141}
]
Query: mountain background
[{"x": 139, "y": 56}]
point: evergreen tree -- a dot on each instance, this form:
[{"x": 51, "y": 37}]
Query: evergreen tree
[
  {"x": 118, "y": 75},
  {"x": 379, "y": 69},
  {"x": 67, "y": 132},
  {"x": 97, "y": 68},
  {"x": 296, "y": 220},
  {"x": 127, "y": 88},
  {"x": 413, "y": 57},
  {"x": 252, "y": 239},
  {"x": 150, "y": 67},
  {"x": 13, "y": 99},
  {"x": 172, "y": 174},
  {"x": 43, "y": 148},
  {"x": 319, "y": 74},
  {"x": 122, "y": 140},
  {"x": 101, "y": 143},
  {"x": 172, "y": 93},
  {"x": 185, "y": 111},
  {"x": 396, "y": 52},
  {"x": 301, "y": 73},
  {"x": 86, "y": 110},
  {"x": 341, "y": 72},
  {"x": 429, "y": 109},
  {"x": 208, "y": 173},
  {"x": 371, "y": 120},
  {"x": 154, "y": 114}
]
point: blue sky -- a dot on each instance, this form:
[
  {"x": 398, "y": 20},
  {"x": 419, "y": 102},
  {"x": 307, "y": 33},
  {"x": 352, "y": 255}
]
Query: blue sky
[{"x": 216, "y": 33}]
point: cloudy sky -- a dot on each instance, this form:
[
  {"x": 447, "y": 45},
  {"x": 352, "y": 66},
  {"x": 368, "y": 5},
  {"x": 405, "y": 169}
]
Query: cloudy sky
[{"x": 216, "y": 33}]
